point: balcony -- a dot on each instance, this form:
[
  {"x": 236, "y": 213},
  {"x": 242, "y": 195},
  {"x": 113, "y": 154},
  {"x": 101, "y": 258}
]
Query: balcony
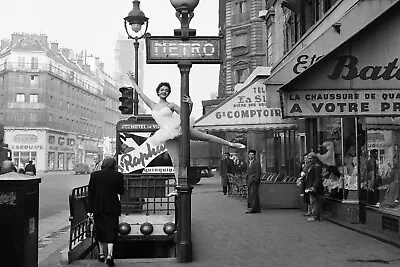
[
  {"x": 71, "y": 77},
  {"x": 25, "y": 105}
]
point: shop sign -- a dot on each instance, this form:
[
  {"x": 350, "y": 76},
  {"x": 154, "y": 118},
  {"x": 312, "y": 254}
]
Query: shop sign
[
  {"x": 171, "y": 49},
  {"x": 303, "y": 103},
  {"x": 27, "y": 147},
  {"x": 347, "y": 68},
  {"x": 303, "y": 62},
  {"x": 25, "y": 138},
  {"x": 378, "y": 145},
  {"x": 252, "y": 105}
]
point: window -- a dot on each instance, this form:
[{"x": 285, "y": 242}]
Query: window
[
  {"x": 21, "y": 62},
  {"x": 241, "y": 12},
  {"x": 34, "y": 79},
  {"x": 34, "y": 63},
  {"x": 21, "y": 158},
  {"x": 20, "y": 98},
  {"x": 241, "y": 75},
  {"x": 240, "y": 40},
  {"x": 328, "y": 4},
  {"x": 290, "y": 30},
  {"x": 33, "y": 98},
  {"x": 33, "y": 117}
]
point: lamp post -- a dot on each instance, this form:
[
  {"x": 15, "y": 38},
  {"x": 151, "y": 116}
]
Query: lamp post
[
  {"x": 136, "y": 18},
  {"x": 184, "y": 13}
]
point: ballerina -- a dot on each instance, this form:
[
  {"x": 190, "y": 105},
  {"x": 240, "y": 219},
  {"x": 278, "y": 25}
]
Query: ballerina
[{"x": 166, "y": 115}]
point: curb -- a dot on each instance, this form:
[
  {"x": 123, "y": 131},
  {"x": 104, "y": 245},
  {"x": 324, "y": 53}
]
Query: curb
[{"x": 53, "y": 234}]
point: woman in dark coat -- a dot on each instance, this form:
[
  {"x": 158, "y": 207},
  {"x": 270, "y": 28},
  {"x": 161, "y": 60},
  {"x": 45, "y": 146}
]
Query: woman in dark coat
[{"x": 105, "y": 207}]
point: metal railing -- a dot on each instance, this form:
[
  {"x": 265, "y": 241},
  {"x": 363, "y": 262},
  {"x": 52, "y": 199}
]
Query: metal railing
[
  {"x": 81, "y": 225},
  {"x": 148, "y": 194}
]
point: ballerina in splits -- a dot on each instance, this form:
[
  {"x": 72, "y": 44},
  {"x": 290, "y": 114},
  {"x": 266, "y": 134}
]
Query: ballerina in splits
[{"x": 166, "y": 114}]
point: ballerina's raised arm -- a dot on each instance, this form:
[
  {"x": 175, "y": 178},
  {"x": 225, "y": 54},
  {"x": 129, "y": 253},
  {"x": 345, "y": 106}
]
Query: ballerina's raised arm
[{"x": 150, "y": 103}]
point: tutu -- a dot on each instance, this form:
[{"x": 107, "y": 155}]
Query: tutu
[{"x": 170, "y": 125}]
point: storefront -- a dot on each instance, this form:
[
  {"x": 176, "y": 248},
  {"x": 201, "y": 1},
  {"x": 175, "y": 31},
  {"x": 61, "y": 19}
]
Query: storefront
[
  {"x": 61, "y": 151},
  {"x": 351, "y": 100},
  {"x": 26, "y": 145},
  {"x": 253, "y": 116}
]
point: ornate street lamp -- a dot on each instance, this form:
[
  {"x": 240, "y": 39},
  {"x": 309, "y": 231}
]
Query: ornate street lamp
[
  {"x": 136, "y": 19},
  {"x": 184, "y": 13}
]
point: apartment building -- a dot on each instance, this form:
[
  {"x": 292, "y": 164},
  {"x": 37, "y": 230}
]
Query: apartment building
[{"x": 51, "y": 104}]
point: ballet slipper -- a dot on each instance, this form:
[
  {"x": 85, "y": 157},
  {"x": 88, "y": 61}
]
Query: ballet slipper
[{"x": 236, "y": 145}]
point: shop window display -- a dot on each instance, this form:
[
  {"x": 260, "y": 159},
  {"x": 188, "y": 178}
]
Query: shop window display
[
  {"x": 383, "y": 147},
  {"x": 343, "y": 141}
]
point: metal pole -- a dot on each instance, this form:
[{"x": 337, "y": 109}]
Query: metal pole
[
  {"x": 184, "y": 188},
  {"x": 136, "y": 97}
]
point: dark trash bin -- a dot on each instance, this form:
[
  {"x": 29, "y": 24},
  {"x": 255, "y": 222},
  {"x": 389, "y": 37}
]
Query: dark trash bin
[{"x": 19, "y": 211}]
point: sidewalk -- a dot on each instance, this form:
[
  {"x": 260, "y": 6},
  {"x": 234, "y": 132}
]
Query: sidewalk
[{"x": 223, "y": 235}]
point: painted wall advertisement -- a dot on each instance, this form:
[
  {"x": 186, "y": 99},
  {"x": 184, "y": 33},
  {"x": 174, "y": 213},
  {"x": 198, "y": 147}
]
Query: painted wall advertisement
[
  {"x": 309, "y": 103},
  {"x": 252, "y": 105}
]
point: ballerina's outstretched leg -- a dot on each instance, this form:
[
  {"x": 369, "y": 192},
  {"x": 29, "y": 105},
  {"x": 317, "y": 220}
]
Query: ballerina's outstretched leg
[
  {"x": 172, "y": 147},
  {"x": 198, "y": 135}
]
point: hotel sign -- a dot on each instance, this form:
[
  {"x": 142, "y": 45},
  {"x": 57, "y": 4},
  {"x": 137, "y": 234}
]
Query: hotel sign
[
  {"x": 360, "y": 102},
  {"x": 172, "y": 50}
]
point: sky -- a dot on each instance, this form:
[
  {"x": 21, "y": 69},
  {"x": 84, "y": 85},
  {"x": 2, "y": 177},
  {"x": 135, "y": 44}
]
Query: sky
[{"x": 95, "y": 24}]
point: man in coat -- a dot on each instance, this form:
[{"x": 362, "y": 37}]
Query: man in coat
[
  {"x": 225, "y": 167},
  {"x": 30, "y": 168},
  {"x": 105, "y": 207},
  {"x": 253, "y": 179},
  {"x": 314, "y": 185}
]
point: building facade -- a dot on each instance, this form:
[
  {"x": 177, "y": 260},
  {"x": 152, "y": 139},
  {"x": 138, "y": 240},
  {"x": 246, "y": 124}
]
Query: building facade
[
  {"x": 244, "y": 35},
  {"x": 49, "y": 104},
  {"x": 336, "y": 70}
]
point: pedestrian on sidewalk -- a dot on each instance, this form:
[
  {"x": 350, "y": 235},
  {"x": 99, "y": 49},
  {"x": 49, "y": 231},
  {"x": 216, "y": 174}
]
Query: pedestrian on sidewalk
[
  {"x": 314, "y": 186},
  {"x": 105, "y": 207},
  {"x": 30, "y": 168},
  {"x": 97, "y": 163},
  {"x": 225, "y": 168},
  {"x": 253, "y": 179},
  {"x": 301, "y": 181}
]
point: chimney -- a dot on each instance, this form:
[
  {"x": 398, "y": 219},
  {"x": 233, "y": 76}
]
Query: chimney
[
  {"x": 54, "y": 47},
  {"x": 65, "y": 52},
  {"x": 86, "y": 68},
  {"x": 80, "y": 62}
]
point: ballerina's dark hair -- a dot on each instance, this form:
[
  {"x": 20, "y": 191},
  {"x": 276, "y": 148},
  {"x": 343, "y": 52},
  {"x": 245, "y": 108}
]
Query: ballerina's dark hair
[{"x": 163, "y": 84}]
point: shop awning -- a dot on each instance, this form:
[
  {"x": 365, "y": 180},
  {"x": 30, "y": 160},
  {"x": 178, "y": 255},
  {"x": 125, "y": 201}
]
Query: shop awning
[
  {"x": 357, "y": 78},
  {"x": 337, "y": 26},
  {"x": 254, "y": 107}
]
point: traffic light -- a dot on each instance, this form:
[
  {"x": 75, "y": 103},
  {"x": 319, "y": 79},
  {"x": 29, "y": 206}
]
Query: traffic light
[{"x": 126, "y": 100}]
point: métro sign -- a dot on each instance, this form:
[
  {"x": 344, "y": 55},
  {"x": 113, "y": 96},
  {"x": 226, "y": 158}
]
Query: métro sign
[{"x": 171, "y": 50}]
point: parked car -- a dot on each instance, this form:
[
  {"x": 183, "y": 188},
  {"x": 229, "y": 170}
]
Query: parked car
[{"x": 81, "y": 168}]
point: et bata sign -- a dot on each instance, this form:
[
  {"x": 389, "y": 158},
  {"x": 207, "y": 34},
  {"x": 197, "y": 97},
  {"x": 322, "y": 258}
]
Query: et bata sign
[
  {"x": 171, "y": 50},
  {"x": 313, "y": 103}
]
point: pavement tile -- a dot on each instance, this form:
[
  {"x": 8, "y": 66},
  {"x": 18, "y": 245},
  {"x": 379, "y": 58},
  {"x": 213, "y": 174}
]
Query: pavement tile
[{"x": 223, "y": 235}]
